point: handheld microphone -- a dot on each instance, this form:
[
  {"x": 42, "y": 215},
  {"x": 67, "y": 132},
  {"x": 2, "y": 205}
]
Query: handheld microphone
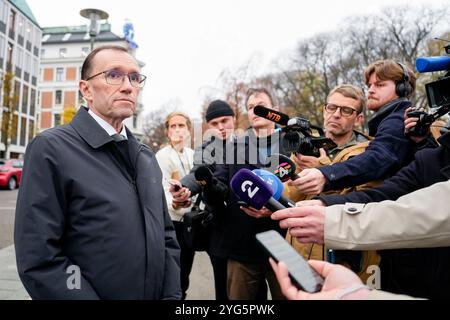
[
  {"x": 203, "y": 176},
  {"x": 214, "y": 190},
  {"x": 283, "y": 167},
  {"x": 272, "y": 115},
  {"x": 431, "y": 64},
  {"x": 251, "y": 189},
  {"x": 276, "y": 185}
]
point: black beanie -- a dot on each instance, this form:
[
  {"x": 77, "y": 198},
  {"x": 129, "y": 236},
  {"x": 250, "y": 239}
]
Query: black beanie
[{"x": 218, "y": 108}]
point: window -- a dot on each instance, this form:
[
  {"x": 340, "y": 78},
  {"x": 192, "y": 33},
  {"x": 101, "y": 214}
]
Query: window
[
  {"x": 42, "y": 53},
  {"x": 16, "y": 94},
  {"x": 3, "y": 12},
  {"x": 59, "y": 74},
  {"x": 58, "y": 97},
  {"x": 30, "y": 130},
  {"x": 23, "y": 130},
  {"x": 62, "y": 52},
  {"x": 12, "y": 24},
  {"x": 85, "y": 51},
  {"x": 57, "y": 119},
  {"x": 2, "y": 51},
  {"x": 33, "y": 102},
  {"x": 24, "y": 99}
]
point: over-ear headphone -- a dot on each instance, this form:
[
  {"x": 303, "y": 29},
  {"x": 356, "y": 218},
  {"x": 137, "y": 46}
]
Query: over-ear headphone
[{"x": 403, "y": 88}]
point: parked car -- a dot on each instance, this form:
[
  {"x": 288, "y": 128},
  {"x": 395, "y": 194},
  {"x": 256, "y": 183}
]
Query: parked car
[{"x": 10, "y": 173}]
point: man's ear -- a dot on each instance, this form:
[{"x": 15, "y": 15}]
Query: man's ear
[
  {"x": 85, "y": 90},
  {"x": 359, "y": 119}
]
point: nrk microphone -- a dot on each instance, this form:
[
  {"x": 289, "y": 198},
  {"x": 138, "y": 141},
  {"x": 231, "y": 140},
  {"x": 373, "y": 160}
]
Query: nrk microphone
[
  {"x": 272, "y": 115},
  {"x": 276, "y": 185},
  {"x": 251, "y": 189},
  {"x": 283, "y": 167}
]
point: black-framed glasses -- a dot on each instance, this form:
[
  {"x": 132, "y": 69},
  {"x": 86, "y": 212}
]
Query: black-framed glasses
[
  {"x": 345, "y": 111},
  {"x": 116, "y": 78}
]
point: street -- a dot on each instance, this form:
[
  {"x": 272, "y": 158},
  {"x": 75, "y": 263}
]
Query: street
[
  {"x": 201, "y": 279},
  {"x": 7, "y": 209}
]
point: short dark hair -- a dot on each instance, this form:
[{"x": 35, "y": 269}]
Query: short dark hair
[
  {"x": 254, "y": 91},
  {"x": 87, "y": 64}
]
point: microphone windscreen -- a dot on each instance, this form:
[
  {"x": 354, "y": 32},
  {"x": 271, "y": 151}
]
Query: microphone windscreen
[
  {"x": 272, "y": 180},
  {"x": 431, "y": 64},
  {"x": 203, "y": 174},
  {"x": 249, "y": 188},
  {"x": 282, "y": 166},
  {"x": 272, "y": 115}
]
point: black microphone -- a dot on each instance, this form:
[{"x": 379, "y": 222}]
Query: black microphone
[
  {"x": 214, "y": 190},
  {"x": 283, "y": 167},
  {"x": 272, "y": 115}
]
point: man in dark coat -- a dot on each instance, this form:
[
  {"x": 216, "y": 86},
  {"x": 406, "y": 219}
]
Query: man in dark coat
[
  {"x": 91, "y": 218},
  {"x": 390, "y": 85}
]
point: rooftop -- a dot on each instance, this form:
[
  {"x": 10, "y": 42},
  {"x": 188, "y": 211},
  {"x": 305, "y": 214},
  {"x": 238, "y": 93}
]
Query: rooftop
[
  {"x": 23, "y": 7},
  {"x": 76, "y": 34}
]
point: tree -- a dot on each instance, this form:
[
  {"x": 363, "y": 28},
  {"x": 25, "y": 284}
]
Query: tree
[
  {"x": 9, "y": 121},
  {"x": 69, "y": 113}
]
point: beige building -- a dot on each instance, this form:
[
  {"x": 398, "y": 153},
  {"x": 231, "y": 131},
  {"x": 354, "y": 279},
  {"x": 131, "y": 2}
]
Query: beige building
[
  {"x": 20, "y": 46},
  {"x": 63, "y": 52}
]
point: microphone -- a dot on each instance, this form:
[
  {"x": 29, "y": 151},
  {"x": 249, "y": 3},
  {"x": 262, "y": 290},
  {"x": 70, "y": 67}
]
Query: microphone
[
  {"x": 251, "y": 189},
  {"x": 203, "y": 176},
  {"x": 283, "y": 167},
  {"x": 431, "y": 64},
  {"x": 272, "y": 115},
  {"x": 276, "y": 185},
  {"x": 214, "y": 190}
]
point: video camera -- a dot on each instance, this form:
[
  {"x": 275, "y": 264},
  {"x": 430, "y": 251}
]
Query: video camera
[
  {"x": 438, "y": 93},
  {"x": 297, "y": 133}
]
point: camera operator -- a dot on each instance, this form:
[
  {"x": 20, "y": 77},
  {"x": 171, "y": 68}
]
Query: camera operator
[
  {"x": 220, "y": 119},
  {"x": 343, "y": 113},
  {"x": 409, "y": 271},
  {"x": 390, "y": 84}
]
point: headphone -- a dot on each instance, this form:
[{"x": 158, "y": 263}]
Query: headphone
[{"x": 403, "y": 88}]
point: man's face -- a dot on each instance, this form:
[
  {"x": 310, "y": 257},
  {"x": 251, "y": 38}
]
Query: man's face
[
  {"x": 111, "y": 102},
  {"x": 258, "y": 123},
  {"x": 380, "y": 92},
  {"x": 224, "y": 126},
  {"x": 335, "y": 123},
  {"x": 178, "y": 130}
]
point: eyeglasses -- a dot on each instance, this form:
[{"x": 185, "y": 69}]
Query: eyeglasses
[
  {"x": 116, "y": 78},
  {"x": 345, "y": 111}
]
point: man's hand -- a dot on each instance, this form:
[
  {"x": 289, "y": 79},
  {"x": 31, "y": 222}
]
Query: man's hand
[
  {"x": 337, "y": 279},
  {"x": 311, "y": 181},
  {"x": 305, "y": 162},
  {"x": 304, "y": 223},
  {"x": 252, "y": 212},
  {"x": 309, "y": 203}
]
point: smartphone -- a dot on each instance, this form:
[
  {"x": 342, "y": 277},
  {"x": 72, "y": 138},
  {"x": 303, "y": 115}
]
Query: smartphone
[
  {"x": 176, "y": 186},
  {"x": 301, "y": 273}
]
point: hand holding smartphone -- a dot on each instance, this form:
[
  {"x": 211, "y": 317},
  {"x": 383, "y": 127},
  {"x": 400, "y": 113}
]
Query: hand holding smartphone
[{"x": 301, "y": 273}]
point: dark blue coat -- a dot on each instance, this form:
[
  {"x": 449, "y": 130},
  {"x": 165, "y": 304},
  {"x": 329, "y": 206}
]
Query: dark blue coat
[
  {"x": 417, "y": 272},
  {"x": 77, "y": 206},
  {"x": 386, "y": 154}
]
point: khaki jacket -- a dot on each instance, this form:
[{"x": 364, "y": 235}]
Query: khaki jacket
[
  {"x": 316, "y": 251},
  {"x": 420, "y": 219}
]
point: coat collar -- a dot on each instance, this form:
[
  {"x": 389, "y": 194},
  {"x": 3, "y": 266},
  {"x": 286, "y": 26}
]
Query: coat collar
[
  {"x": 91, "y": 132},
  {"x": 386, "y": 110}
]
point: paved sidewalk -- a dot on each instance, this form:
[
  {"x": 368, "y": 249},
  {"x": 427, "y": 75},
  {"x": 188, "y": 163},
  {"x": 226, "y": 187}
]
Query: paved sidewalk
[{"x": 11, "y": 287}]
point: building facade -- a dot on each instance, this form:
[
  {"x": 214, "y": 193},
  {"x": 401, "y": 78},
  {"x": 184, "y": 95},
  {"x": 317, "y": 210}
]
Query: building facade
[
  {"x": 63, "y": 52},
  {"x": 20, "y": 46}
]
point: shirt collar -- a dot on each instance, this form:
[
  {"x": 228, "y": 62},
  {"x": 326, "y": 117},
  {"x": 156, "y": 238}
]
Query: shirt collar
[{"x": 106, "y": 126}]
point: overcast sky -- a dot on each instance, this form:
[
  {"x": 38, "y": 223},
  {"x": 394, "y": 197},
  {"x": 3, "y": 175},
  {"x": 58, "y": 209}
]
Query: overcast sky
[{"x": 186, "y": 44}]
